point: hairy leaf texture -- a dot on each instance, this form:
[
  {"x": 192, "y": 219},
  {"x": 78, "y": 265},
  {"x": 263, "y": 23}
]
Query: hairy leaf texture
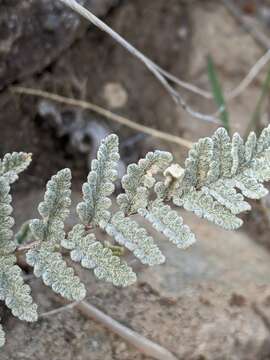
[
  {"x": 13, "y": 164},
  {"x": 197, "y": 163},
  {"x": 139, "y": 179},
  {"x": 99, "y": 186},
  {"x": 46, "y": 258},
  {"x": 204, "y": 206},
  {"x": 7, "y": 245},
  {"x": 54, "y": 209},
  {"x": 168, "y": 222},
  {"x": 2, "y": 336},
  {"x": 127, "y": 233},
  {"x": 14, "y": 292},
  {"x": 261, "y": 168},
  {"x": 226, "y": 195},
  {"x": 93, "y": 255},
  {"x": 220, "y": 172},
  {"x": 50, "y": 265}
]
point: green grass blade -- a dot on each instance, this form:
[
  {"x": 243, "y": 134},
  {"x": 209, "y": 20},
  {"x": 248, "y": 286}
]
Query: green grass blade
[{"x": 218, "y": 93}]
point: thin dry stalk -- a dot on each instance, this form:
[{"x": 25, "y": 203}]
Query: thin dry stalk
[
  {"x": 144, "y": 345},
  {"x": 103, "y": 112},
  {"x": 153, "y": 68}
]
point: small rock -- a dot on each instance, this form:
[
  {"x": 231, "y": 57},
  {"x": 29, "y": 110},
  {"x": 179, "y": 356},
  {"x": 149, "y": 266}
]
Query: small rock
[{"x": 115, "y": 95}]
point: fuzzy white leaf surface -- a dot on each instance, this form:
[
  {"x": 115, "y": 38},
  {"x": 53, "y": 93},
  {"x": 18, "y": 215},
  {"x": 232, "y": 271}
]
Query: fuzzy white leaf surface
[
  {"x": 167, "y": 221},
  {"x": 128, "y": 233},
  {"x": 93, "y": 255},
  {"x": 100, "y": 184}
]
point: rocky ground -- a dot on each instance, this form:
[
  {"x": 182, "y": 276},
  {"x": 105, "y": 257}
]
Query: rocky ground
[{"x": 209, "y": 302}]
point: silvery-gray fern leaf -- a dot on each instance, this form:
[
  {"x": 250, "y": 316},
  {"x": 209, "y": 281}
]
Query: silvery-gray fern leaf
[
  {"x": 220, "y": 172},
  {"x": 2, "y": 336},
  {"x": 13, "y": 164},
  {"x": 140, "y": 179},
  {"x": 46, "y": 258},
  {"x": 92, "y": 254},
  {"x": 168, "y": 222},
  {"x": 100, "y": 184},
  {"x": 128, "y": 233},
  {"x": 13, "y": 291}
]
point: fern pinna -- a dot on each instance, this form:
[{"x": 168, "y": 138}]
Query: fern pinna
[{"x": 219, "y": 174}]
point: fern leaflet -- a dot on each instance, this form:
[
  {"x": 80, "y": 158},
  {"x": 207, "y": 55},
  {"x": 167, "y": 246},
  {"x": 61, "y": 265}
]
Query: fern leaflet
[
  {"x": 13, "y": 164},
  {"x": 93, "y": 255},
  {"x": 168, "y": 222},
  {"x": 46, "y": 258},
  {"x": 139, "y": 179},
  {"x": 220, "y": 172},
  {"x": 128, "y": 233},
  {"x": 94, "y": 209}
]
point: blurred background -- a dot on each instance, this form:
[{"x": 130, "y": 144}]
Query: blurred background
[{"x": 211, "y": 301}]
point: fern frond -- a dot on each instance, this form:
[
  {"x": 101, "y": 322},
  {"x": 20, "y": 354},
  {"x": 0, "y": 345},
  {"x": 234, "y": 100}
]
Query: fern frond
[
  {"x": 261, "y": 167},
  {"x": 222, "y": 161},
  {"x": 13, "y": 164},
  {"x": 99, "y": 186},
  {"x": 263, "y": 143},
  {"x": 197, "y": 163},
  {"x": 2, "y": 336},
  {"x": 249, "y": 185},
  {"x": 226, "y": 195},
  {"x": 168, "y": 222},
  {"x": 14, "y": 292},
  {"x": 50, "y": 265},
  {"x": 206, "y": 207},
  {"x": 46, "y": 259},
  {"x": 93, "y": 255},
  {"x": 127, "y": 233},
  {"x": 139, "y": 179},
  {"x": 218, "y": 170},
  {"x": 54, "y": 209},
  {"x": 7, "y": 245}
]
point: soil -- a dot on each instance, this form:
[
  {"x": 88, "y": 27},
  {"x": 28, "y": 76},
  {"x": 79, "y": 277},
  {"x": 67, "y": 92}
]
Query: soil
[{"x": 209, "y": 302}]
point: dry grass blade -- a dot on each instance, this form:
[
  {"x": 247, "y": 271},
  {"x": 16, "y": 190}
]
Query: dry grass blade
[
  {"x": 153, "y": 68},
  {"x": 103, "y": 112},
  {"x": 143, "y": 344}
]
